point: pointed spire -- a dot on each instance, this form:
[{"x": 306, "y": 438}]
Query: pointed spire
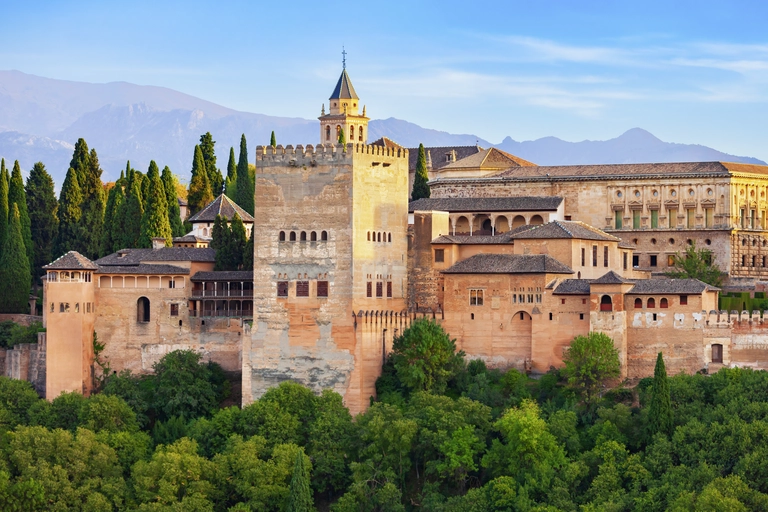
[
  {"x": 363, "y": 110},
  {"x": 322, "y": 112}
]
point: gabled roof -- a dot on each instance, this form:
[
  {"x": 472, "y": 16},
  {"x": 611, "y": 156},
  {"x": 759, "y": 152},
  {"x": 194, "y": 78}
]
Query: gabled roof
[
  {"x": 565, "y": 229},
  {"x": 72, "y": 260},
  {"x": 223, "y": 206},
  {"x": 128, "y": 257},
  {"x": 486, "y": 204},
  {"x": 344, "y": 89},
  {"x": 509, "y": 264},
  {"x": 489, "y": 159},
  {"x": 436, "y": 155},
  {"x": 573, "y": 287},
  {"x": 386, "y": 143},
  {"x": 190, "y": 238},
  {"x": 611, "y": 278},
  {"x": 670, "y": 286}
]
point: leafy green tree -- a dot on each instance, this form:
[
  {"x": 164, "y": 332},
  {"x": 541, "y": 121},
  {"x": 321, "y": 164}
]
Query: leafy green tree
[
  {"x": 248, "y": 254},
  {"x": 111, "y": 232},
  {"x": 420, "y": 187},
  {"x": 425, "y": 357},
  {"x": 330, "y": 436},
  {"x": 215, "y": 179},
  {"x": 697, "y": 264},
  {"x": 590, "y": 361},
  {"x": 199, "y": 194},
  {"x": 342, "y": 138},
  {"x": 17, "y": 194},
  {"x": 4, "y": 207},
  {"x": 80, "y": 162},
  {"x": 133, "y": 390},
  {"x": 300, "y": 497},
  {"x": 154, "y": 222},
  {"x": 245, "y": 179},
  {"x": 272, "y": 140},
  {"x": 42, "y": 205},
  {"x": 70, "y": 199},
  {"x": 14, "y": 268},
  {"x": 182, "y": 386},
  {"x": 230, "y": 185},
  {"x": 660, "y": 410},
  {"x": 107, "y": 412},
  {"x": 131, "y": 213},
  {"x": 17, "y": 398},
  {"x": 24, "y": 496},
  {"x": 172, "y": 199},
  {"x": 92, "y": 209},
  {"x": 237, "y": 243}
]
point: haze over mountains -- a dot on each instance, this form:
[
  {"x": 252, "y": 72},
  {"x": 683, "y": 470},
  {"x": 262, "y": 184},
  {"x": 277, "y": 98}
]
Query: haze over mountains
[{"x": 42, "y": 118}]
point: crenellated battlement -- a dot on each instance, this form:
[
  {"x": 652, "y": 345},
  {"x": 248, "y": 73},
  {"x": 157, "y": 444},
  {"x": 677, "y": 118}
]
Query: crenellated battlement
[{"x": 310, "y": 155}]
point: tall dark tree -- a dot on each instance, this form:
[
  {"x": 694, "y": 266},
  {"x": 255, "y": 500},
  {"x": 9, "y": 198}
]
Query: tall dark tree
[
  {"x": 245, "y": 179},
  {"x": 80, "y": 161},
  {"x": 230, "y": 186},
  {"x": 220, "y": 240},
  {"x": 272, "y": 140},
  {"x": 92, "y": 217},
  {"x": 248, "y": 254},
  {"x": 215, "y": 179},
  {"x": 154, "y": 222},
  {"x": 17, "y": 194},
  {"x": 111, "y": 227},
  {"x": 70, "y": 198},
  {"x": 130, "y": 215},
  {"x": 4, "y": 179},
  {"x": 660, "y": 410},
  {"x": 420, "y": 187},
  {"x": 14, "y": 268},
  {"x": 43, "y": 216},
  {"x": 172, "y": 200},
  {"x": 342, "y": 138},
  {"x": 237, "y": 242},
  {"x": 300, "y": 495},
  {"x": 199, "y": 193}
]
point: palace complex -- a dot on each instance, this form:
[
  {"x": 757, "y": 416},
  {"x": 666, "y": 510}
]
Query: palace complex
[{"x": 513, "y": 259}]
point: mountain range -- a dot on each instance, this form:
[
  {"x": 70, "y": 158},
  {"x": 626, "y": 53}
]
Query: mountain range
[{"x": 42, "y": 118}]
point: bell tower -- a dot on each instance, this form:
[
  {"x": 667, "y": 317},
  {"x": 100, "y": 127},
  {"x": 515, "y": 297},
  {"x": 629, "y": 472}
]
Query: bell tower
[{"x": 343, "y": 113}]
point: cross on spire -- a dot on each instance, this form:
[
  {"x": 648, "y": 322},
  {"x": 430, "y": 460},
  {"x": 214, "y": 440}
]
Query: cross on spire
[{"x": 343, "y": 58}]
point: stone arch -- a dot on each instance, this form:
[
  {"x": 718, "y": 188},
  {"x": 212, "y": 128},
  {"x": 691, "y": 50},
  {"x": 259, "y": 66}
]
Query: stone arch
[
  {"x": 638, "y": 303},
  {"x": 651, "y": 303},
  {"x": 480, "y": 222},
  {"x": 501, "y": 224},
  {"x": 606, "y": 304},
  {"x": 518, "y": 344},
  {"x": 518, "y": 221},
  {"x": 142, "y": 310},
  {"x": 324, "y": 236},
  {"x": 461, "y": 225},
  {"x": 313, "y": 236},
  {"x": 292, "y": 237},
  {"x": 327, "y": 133},
  {"x": 536, "y": 220},
  {"x": 303, "y": 236},
  {"x": 352, "y": 133}
]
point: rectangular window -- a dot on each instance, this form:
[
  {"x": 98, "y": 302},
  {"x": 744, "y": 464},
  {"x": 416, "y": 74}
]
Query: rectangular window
[
  {"x": 583, "y": 256},
  {"x": 322, "y": 288},
  {"x": 690, "y": 214},
  {"x": 619, "y": 214},
  {"x": 174, "y": 309},
  {"x": 530, "y": 298},
  {"x": 670, "y": 260},
  {"x": 654, "y": 260},
  {"x": 282, "y": 288},
  {"x": 635, "y": 219},
  {"x": 538, "y": 298},
  {"x": 635, "y": 260},
  {"x": 709, "y": 217},
  {"x": 171, "y": 283},
  {"x": 439, "y": 255},
  {"x": 717, "y": 353},
  {"x": 654, "y": 219},
  {"x": 77, "y": 307},
  {"x": 369, "y": 289},
  {"x": 743, "y": 215},
  {"x": 671, "y": 218},
  {"x": 594, "y": 255},
  {"x": 683, "y": 300},
  {"x": 581, "y": 316},
  {"x": 625, "y": 260},
  {"x": 475, "y": 297},
  {"x": 88, "y": 307},
  {"x": 379, "y": 289},
  {"x": 389, "y": 289},
  {"x": 752, "y": 219},
  {"x": 605, "y": 256},
  {"x": 53, "y": 307},
  {"x": 302, "y": 288}
]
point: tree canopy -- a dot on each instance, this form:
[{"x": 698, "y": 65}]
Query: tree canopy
[
  {"x": 14, "y": 268},
  {"x": 43, "y": 216},
  {"x": 590, "y": 362},
  {"x": 697, "y": 263},
  {"x": 420, "y": 187}
]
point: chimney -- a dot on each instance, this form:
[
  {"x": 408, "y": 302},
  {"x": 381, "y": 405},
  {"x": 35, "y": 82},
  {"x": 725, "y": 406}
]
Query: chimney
[{"x": 158, "y": 242}]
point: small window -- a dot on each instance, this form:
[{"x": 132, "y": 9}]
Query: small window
[
  {"x": 550, "y": 316},
  {"x": 522, "y": 316},
  {"x": 625, "y": 260},
  {"x": 475, "y": 297},
  {"x": 562, "y": 301},
  {"x": 379, "y": 289},
  {"x": 605, "y": 256},
  {"x": 635, "y": 260},
  {"x": 683, "y": 300},
  {"x": 594, "y": 255},
  {"x": 313, "y": 236},
  {"x": 369, "y": 289},
  {"x": 53, "y": 306},
  {"x": 651, "y": 303},
  {"x": 663, "y": 303},
  {"x": 142, "y": 310},
  {"x": 389, "y": 237},
  {"x": 303, "y": 237},
  {"x": 389, "y": 289},
  {"x": 282, "y": 236},
  {"x": 88, "y": 307},
  {"x": 654, "y": 260},
  {"x": 439, "y": 255},
  {"x": 322, "y": 288},
  {"x": 282, "y": 288},
  {"x": 292, "y": 237},
  {"x": 369, "y": 236},
  {"x": 61, "y": 307},
  {"x": 77, "y": 307},
  {"x": 581, "y": 316},
  {"x": 379, "y": 237},
  {"x": 638, "y": 303},
  {"x": 670, "y": 260},
  {"x": 605, "y": 303},
  {"x": 717, "y": 353},
  {"x": 583, "y": 255},
  {"x": 66, "y": 307},
  {"x": 171, "y": 283},
  {"x": 654, "y": 317},
  {"x": 324, "y": 236},
  {"x": 302, "y": 288},
  {"x": 174, "y": 310}
]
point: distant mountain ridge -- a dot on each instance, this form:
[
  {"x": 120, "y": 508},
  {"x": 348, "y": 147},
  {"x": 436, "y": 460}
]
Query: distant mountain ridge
[{"x": 42, "y": 118}]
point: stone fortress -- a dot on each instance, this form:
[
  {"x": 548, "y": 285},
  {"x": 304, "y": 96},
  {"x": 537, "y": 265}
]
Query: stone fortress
[{"x": 513, "y": 259}]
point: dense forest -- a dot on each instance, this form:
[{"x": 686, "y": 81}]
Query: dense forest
[{"x": 444, "y": 434}]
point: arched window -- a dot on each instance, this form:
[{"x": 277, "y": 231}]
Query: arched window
[
  {"x": 338, "y": 132},
  {"x": 282, "y": 236},
  {"x": 352, "y": 133},
  {"x": 303, "y": 236},
  {"x": 379, "y": 237},
  {"x": 142, "y": 310},
  {"x": 328, "y": 133},
  {"x": 605, "y": 303},
  {"x": 663, "y": 303},
  {"x": 360, "y": 134},
  {"x": 313, "y": 236},
  {"x": 324, "y": 236},
  {"x": 293, "y": 236},
  {"x": 638, "y": 303},
  {"x": 369, "y": 236},
  {"x": 651, "y": 303},
  {"x": 389, "y": 237}
]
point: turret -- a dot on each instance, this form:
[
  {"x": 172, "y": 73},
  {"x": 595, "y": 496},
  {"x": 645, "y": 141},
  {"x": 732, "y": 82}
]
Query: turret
[{"x": 343, "y": 114}]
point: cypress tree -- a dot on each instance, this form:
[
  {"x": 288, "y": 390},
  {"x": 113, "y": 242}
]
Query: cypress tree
[
  {"x": 342, "y": 138},
  {"x": 154, "y": 222},
  {"x": 70, "y": 199},
  {"x": 217, "y": 233},
  {"x": 215, "y": 179},
  {"x": 420, "y": 187},
  {"x": 221, "y": 240},
  {"x": 245, "y": 184},
  {"x": 660, "y": 410},
  {"x": 111, "y": 219},
  {"x": 237, "y": 243},
  {"x": 43, "y": 216},
  {"x": 17, "y": 194},
  {"x": 130, "y": 215},
  {"x": 248, "y": 254},
  {"x": 199, "y": 193},
  {"x": 92, "y": 216},
  {"x": 231, "y": 182},
  {"x": 14, "y": 268},
  {"x": 300, "y": 494},
  {"x": 172, "y": 200},
  {"x": 80, "y": 161},
  {"x": 4, "y": 178},
  {"x": 272, "y": 140}
]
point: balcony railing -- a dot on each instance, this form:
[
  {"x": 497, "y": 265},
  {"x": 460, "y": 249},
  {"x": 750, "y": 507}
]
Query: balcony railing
[
  {"x": 232, "y": 313},
  {"x": 223, "y": 293}
]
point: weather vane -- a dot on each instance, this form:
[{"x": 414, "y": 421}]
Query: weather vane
[{"x": 343, "y": 58}]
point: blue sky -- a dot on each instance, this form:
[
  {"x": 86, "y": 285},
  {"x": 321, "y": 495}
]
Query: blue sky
[{"x": 691, "y": 72}]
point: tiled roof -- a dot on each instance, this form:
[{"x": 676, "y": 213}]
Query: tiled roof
[
  {"x": 127, "y": 257},
  {"x": 503, "y": 238},
  {"x": 490, "y": 158},
  {"x": 573, "y": 287},
  {"x": 486, "y": 204},
  {"x": 385, "y": 142},
  {"x": 72, "y": 260},
  {"x": 626, "y": 245},
  {"x": 142, "y": 269},
  {"x": 191, "y": 238},
  {"x": 565, "y": 229},
  {"x": 223, "y": 206},
  {"x": 509, "y": 264},
  {"x": 436, "y": 155},
  {"x": 671, "y": 286},
  {"x": 232, "y": 275},
  {"x": 344, "y": 89},
  {"x": 611, "y": 278}
]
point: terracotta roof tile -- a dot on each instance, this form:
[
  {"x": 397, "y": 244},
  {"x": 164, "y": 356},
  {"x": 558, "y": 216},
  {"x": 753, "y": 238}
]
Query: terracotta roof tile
[
  {"x": 611, "y": 278},
  {"x": 72, "y": 260},
  {"x": 490, "y": 158},
  {"x": 573, "y": 287},
  {"x": 486, "y": 204},
  {"x": 126, "y": 257},
  {"x": 223, "y": 206},
  {"x": 436, "y": 155},
  {"x": 509, "y": 264},
  {"x": 565, "y": 229},
  {"x": 385, "y": 142},
  {"x": 670, "y": 286}
]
